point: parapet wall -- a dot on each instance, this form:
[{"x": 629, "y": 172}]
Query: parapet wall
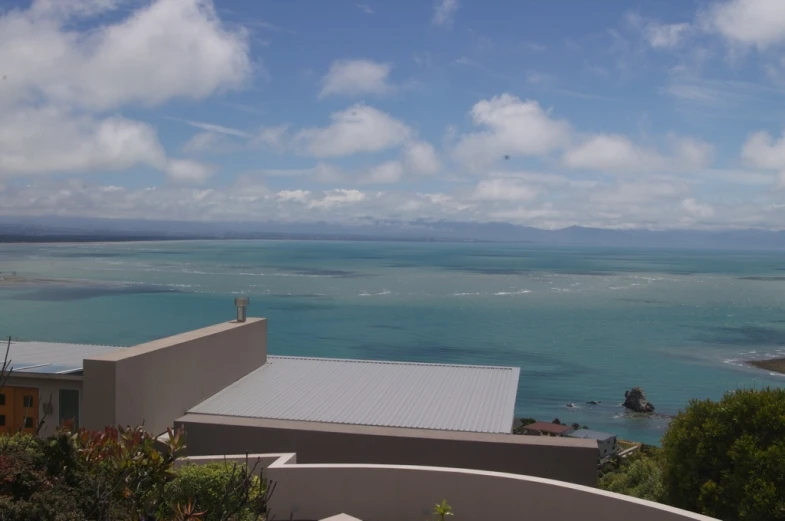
[
  {"x": 156, "y": 382},
  {"x": 396, "y": 492},
  {"x": 565, "y": 459}
]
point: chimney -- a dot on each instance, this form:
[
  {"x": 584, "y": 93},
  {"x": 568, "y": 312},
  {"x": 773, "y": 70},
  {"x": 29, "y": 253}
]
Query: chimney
[{"x": 241, "y": 303}]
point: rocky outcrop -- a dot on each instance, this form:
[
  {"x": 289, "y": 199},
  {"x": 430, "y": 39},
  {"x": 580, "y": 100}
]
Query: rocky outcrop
[{"x": 635, "y": 400}]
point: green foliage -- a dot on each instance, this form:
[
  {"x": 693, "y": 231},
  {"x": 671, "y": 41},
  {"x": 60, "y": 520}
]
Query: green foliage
[
  {"x": 638, "y": 475},
  {"x": 442, "y": 510},
  {"x": 116, "y": 475},
  {"x": 726, "y": 459},
  {"x": 217, "y": 490}
]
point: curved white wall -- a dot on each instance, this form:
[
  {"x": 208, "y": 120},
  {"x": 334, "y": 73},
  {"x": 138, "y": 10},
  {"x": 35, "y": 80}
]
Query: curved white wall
[{"x": 401, "y": 493}]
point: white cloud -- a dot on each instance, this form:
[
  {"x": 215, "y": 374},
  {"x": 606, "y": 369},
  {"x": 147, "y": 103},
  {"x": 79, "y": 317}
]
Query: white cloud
[
  {"x": 168, "y": 49},
  {"x": 218, "y": 129},
  {"x": 41, "y": 141},
  {"x": 664, "y": 36},
  {"x": 618, "y": 154},
  {"x": 503, "y": 189},
  {"x": 512, "y": 127},
  {"x": 358, "y": 129},
  {"x": 697, "y": 209},
  {"x": 389, "y": 172},
  {"x": 365, "y": 8},
  {"x": 60, "y": 80},
  {"x": 444, "y": 12},
  {"x": 355, "y": 78},
  {"x": 272, "y": 137},
  {"x": 188, "y": 171},
  {"x": 338, "y": 197},
  {"x": 748, "y": 22},
  {"x": 207, "y": 143},
  {"x": 762, "y": 151},
  {"x": 421, "y": 158},
  {"x": 652, "y": 203}
]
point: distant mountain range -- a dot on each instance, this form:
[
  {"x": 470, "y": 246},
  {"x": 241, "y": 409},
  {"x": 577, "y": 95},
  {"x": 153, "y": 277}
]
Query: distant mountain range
[{"x": 72, "y": 229}]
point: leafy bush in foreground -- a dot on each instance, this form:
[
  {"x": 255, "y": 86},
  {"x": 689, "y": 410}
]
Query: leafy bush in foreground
[
  {"x": 119, "y": 475},
  {"x": 219, "y": 490}
]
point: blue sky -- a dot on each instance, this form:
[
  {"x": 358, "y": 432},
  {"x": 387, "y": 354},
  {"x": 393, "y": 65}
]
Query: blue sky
[{"x": 656, "y": 114}]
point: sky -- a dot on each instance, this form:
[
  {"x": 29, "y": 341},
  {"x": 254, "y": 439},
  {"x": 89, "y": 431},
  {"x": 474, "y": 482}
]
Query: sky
[{"x": 656, "y": 114}]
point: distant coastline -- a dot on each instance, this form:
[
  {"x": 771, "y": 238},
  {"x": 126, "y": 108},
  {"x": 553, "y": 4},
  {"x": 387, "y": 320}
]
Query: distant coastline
[{"x": 776, "y": 365}]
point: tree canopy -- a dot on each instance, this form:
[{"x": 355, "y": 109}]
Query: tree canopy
[{"x": 726, "y": 459}]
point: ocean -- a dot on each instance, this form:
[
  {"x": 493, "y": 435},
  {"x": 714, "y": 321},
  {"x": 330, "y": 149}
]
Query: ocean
[{"x": 582, "y": 323}]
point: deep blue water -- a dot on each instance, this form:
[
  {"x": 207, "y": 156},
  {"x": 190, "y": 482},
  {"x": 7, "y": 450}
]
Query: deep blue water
[{"x": 581, "y": 323}]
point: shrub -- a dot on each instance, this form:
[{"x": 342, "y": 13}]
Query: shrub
[
  {"x": 726, "y": 459},
  {"x": 210, "y": 488},
  {"x": 639, "y": 475}
]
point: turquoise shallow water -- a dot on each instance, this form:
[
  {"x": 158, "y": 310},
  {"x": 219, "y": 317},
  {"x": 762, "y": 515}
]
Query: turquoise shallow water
[{"x": 583, "y": 324}]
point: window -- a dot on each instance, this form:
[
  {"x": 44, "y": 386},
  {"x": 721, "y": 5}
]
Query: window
[
  {"x": 28, "y": 422},
  {"x": 2, "y": 400},
  {"x": 69, "y": 407},
  {"x": 2, "y": 420},
  {"x": 27, "y": 400}
]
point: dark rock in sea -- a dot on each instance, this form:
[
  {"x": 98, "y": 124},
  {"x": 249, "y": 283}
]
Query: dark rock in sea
[
  {"x": 594, "y": 402},
  {"x": 635, "y": 400}
]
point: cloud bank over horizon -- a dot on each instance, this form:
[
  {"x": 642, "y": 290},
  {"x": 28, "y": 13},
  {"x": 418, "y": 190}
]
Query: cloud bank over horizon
[{"x": 206, "y": 111}]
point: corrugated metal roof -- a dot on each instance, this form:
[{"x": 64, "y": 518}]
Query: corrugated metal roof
[
  {"x": 590, "y": 434},
  {"x": 361, "y": 392},
  {"x": 50, "y": 357}
]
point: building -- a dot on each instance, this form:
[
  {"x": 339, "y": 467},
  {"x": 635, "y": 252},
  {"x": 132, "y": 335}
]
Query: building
[
  {"x": 372, "y": 439},
  {"x": 607, "y": 444},
  {"x": 45, "y": 384},
  {"x": 546, "y": 429},
  {"x": 219, "y": 384}
]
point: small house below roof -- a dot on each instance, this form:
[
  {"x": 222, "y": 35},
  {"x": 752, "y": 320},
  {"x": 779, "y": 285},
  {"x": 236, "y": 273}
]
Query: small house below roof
[
  {"x": 540, "y": 428},
  {"x": 51, "y": 357},
  {"x": 360, "y": 392},
  {"x": 589, "y": 434}
]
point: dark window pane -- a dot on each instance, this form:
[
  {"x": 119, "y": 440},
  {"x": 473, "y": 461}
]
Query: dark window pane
[
  {"x": 28, "y": 400},
  {"x": 2, "y": 420},
  {"x": 28, "y": 423},
  {"x": 2, "y": 400},
  {"x": 69, "y": 406}
]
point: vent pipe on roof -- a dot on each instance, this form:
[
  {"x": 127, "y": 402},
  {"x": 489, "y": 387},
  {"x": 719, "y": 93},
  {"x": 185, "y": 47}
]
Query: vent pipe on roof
[{"x": 241, "y": 303}]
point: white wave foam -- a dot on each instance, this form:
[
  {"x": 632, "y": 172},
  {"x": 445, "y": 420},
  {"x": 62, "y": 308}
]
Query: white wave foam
[
  {"x": 366, "y": 294},
  {"x": 519, "y": 292}
]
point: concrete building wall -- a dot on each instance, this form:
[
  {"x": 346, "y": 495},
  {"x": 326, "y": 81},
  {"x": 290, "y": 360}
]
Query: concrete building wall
[
  {"x": 564, "y": 459},
  {"x": 156, "y": 382},
  {"x": 48, "y": 387},
  {"x": 396, "y": 492}
]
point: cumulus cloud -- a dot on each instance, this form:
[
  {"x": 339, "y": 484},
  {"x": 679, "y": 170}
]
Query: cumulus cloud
[
  {"x": 356, "y": 78},
  {"x": 444, "y": 12},
  {"x": 60, "y": 80},
  {"x": 358, "y": 129},
  {"x": 168, "y": 49},
  {"x": 389, "y": 172},
  {"x": 618, "y": 154},
  {"x": 511, "y": 126},
  {"x": 188, "y": 171},
  {"x": 760, "y": 23},
  {"x": 46, "y": 140},
  {"x": 762, "y": 151},
  {"x": 421, "y": 158}
]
